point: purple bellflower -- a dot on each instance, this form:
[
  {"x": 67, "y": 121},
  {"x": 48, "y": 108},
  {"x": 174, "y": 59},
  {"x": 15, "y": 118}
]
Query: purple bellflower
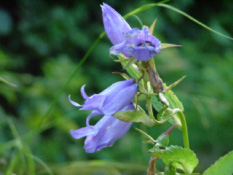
[
  {"x": 130, "y": 42},
  {"x": 117, "y": 97}
]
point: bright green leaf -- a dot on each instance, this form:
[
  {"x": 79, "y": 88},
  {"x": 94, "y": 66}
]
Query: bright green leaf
[
  {"x": 177, "y": 157},
  {"x": 222, "y": 166}
]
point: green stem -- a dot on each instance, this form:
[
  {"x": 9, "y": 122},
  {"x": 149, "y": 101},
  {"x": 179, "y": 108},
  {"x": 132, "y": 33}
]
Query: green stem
[{"x": 184, "y": 129}]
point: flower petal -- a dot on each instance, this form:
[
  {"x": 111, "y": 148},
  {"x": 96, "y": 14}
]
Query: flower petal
[
  {"x": 83, "y": 132},
  {"x": 110, "y": 129},
  {"x": 73, "y": 102},
  {"x": 90, "y": 116},
  {"x": 119, "y": 100},
  {"x": 83, "y": 92},
  {"x": 94, "y": 102},
  {"x": 144, "y": 53},
  {"x": 114, "y": 24}
]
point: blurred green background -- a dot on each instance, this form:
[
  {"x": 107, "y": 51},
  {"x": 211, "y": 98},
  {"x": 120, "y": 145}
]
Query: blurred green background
[{"x": 42, "y": 42}]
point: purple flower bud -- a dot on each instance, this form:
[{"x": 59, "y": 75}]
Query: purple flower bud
[
  {"x": 114, "y": 24},
  {"x": 117, "y": 97},
  {"x": 130, "y": 42}
]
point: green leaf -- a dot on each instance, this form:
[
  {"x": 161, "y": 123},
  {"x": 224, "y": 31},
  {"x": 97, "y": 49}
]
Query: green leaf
[
  {"x": 177, "y": 157},
  {"x": 138, "y": 116},
  {"x": 163, "y": 140},
  {"x": 174, "y": 102},
  {"x": 222, "y": 166},
  {"x": 164, "y": 114},
  {"x": 156, "y": 103}
]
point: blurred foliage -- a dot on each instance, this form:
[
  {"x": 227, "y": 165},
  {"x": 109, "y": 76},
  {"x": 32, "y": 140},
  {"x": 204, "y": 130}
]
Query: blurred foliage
[{"x": 41, "y": 43}]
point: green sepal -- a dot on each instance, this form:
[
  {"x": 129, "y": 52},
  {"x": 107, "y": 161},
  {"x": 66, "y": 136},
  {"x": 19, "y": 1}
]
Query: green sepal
[
  {"x": 166, "y": 45},
  {"x": 146, "y": 135},
  {"x": 152, "y": 27},
  {"x": 173, "y": 84},
  {"x": 163, "y": 140},
  {"x": 138, "y": 116},
  {"x": 177, "y": 157}
]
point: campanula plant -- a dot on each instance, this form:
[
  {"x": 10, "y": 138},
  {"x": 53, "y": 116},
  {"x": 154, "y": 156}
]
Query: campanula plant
[{"x": 118, "y": 103}]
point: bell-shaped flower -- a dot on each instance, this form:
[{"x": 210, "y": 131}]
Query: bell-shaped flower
[
  {"x": 111, "y": 100},
  {"x": 117, "y": 97},
  {"x": 130, "y": 42},
  {"x": 115, "y": 25},
  {"x": 104, "y": 133}
]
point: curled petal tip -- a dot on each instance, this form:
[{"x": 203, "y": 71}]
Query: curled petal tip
[
  {"x": 73, "y": 102},
  {"x": 83, "y": 92}
]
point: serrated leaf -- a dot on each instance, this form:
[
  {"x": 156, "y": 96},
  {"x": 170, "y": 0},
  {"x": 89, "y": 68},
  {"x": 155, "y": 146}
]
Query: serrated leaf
[
  {"x": 177, "y": 157},
  {"x": 138, "y": 116},
  {"x": 222, "y": 166}
]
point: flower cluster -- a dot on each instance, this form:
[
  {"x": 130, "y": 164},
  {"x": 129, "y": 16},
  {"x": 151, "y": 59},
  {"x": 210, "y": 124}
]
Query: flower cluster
[{"x": 132, "y": 43}]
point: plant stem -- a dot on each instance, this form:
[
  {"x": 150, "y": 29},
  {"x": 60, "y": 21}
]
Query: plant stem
[
  {"x": 184, "y": 129},
  {"x": 152, "y": 168}
]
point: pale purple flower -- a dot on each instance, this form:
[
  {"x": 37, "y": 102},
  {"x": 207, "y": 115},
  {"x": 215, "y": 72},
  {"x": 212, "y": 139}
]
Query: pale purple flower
[
  {"x": 130, "y": 42},
  {"x": 117, "y": 97},
  {"x": 104, "y": 133}
]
